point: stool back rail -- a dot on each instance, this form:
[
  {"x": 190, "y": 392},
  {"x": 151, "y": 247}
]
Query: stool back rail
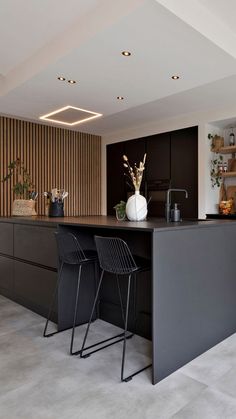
[
  {"x": 115, "y": 257},
  {"x": 70, "y": 252}
]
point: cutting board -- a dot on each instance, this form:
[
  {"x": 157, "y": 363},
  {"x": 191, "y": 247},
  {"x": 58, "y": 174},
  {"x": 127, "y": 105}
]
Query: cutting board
[{"x": 231, "y": 193}]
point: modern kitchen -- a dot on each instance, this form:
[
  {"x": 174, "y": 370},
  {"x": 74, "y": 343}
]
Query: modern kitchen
[{"x": 117, "y": 210}]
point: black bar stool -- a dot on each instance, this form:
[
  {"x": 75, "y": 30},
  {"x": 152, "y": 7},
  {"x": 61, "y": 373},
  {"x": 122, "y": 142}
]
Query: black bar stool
[
  {"x": 115, "y": 257},
  {"x": 71, "y": 253}
]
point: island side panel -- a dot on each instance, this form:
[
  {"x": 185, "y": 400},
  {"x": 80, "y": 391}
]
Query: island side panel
[{"x": 194, "y": 294}]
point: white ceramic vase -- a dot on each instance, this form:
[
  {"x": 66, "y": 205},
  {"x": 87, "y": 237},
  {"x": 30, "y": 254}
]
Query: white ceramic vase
[{"x": 136, "y": 207}]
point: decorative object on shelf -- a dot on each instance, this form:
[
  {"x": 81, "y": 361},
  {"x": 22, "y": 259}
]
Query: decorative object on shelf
[
  {"x": 226, "y": 207},
  {"x": 55, "y": 202},
  {"x": 136, "y": 206},
  {"x": 231, "y": 138},
  {"x": 216, "y": 142},
  {"x": 225, "y": 167},
  {"x": 120, "y": 210},
  {"x": 24, "y": 204}
]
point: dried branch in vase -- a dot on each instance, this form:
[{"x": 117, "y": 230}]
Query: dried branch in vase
[{"x": 135, "y": 174}]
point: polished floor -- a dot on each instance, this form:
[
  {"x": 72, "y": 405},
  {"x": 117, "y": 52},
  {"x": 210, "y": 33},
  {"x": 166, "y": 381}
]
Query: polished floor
[{"x": 39, "y": 380}]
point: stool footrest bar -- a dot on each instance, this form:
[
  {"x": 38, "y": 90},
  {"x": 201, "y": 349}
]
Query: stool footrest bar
[
  {"x": 121, "y": 336},
  {"x": 135, "y": 373}
]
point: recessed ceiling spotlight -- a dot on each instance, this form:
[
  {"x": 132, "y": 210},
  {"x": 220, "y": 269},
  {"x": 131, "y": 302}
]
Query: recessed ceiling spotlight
[
  {"x": 71, "y": 81},
  {"x": 61, "y": 78},
  {"x": 126, "y": 53},
  {"x": 175, "y": 77},
  {"x": 120, "y": 98}
]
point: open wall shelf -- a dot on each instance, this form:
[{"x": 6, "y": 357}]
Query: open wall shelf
[{"x": 228, "y": 150}]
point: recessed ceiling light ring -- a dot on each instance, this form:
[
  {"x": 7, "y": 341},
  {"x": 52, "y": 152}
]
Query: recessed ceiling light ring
[
  {"x": 126, "y": 53},
  {"x": 61, "y": 78},
  {"x": 120, "y": 97},
  {"x": 71, "y": 81},
  {"x": 175, "y": 77}
]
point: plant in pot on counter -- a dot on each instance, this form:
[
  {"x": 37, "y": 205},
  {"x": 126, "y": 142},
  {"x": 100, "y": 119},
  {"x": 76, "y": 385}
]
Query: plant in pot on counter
[
  {"x": 24, "y": 204},
  {"x": 120, "y": 210}
]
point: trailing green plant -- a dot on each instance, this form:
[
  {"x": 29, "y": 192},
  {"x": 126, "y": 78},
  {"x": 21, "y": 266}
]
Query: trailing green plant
[
  {"x": 216, "y": 162},
  {"x": 216, "y": 177},
  {"x": 23, "y": 185}
]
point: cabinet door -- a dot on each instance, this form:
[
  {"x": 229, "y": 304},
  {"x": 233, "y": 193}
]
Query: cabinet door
[
  {"x": 6, "y": 238},
  {"x": 115, "y": 176},
  {"x": 35, "y": 244},
  {"x": 184, "y": 169},
  {"x": 134, "y": 150},
  {"x": 6, "y": 274},
  {"x": 158, "y": 157},
  {"x": 34, "y": 286}
]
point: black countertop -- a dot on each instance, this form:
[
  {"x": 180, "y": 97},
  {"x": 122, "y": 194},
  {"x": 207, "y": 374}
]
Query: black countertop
[
  {"x": 221, "y": 216},
  {"x": 101, "y": 221}
]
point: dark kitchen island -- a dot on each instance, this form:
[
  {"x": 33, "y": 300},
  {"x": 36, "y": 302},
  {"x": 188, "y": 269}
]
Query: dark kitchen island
[{"x": 185, "y": 304}]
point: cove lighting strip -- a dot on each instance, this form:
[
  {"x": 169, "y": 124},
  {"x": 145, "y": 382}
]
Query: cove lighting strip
[{"x": 58, "y": 111}]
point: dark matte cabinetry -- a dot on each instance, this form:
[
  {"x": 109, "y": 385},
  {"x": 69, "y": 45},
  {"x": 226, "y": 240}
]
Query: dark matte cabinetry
[
  {"x": 158, "y": 157},
  {"x": 184, "y": 169},
  {"x": 172, "y": 161},
  {"x": 115, "y": 176},
  {"x": 28, "y": 261}
]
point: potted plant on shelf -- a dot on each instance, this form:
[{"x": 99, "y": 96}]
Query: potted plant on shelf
[
  {"x": 216, "y": 170},
  {"x": 24, "y": 204},
  {"x": 136, "y": 206}
]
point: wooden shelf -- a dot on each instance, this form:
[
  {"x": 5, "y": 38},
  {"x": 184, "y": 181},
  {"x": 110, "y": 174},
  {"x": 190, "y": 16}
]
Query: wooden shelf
[
  {"x": 228, "y": 150},
  {"x": 228, "y": 174}
]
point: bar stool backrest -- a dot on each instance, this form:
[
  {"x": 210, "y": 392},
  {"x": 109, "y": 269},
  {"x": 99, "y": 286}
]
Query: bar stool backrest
[
  {"x": 69, "y": 249},
  {"x": 114, "y": 255}
]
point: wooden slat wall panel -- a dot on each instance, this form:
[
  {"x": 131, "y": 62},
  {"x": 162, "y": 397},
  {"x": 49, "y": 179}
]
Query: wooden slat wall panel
[{"x": 54, "y": 157}]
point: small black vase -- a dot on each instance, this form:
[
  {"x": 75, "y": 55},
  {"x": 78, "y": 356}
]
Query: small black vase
[{"x": 56, "y": 209}]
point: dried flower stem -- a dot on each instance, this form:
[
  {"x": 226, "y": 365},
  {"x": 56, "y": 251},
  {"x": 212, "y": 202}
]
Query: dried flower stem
[{"x": 135, "y": 174}]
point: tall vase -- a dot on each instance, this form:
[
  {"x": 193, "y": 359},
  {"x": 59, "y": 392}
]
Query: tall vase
[{"x": 136, "y": 207}]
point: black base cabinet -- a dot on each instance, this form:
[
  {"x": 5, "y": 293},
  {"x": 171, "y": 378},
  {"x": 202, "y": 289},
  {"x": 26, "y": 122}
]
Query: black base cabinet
[
  {"x": 7, "y": 275},
  {"x": 34, "y": 286},
  {"x": 28, "y": 260}
]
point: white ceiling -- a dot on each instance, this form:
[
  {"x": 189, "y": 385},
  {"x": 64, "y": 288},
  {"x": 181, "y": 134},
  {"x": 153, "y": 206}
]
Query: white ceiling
[{"x": 83, "y": 40}]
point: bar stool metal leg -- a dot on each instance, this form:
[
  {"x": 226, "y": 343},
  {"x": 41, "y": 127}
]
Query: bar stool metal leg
[
  {"x": 121, "y": 302},
  {"x": 75, "y": 311},
  {"x": 125, "y": 331},
  {"x": 119, "y": 337},
  {"x": 91, "y": 316},
  {"x": 52, "y": 304}
]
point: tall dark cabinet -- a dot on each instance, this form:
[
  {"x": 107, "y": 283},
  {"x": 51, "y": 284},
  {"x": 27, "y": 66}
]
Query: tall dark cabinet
[
  {"x": 115, "y": 176},
  {"x": 184, "y": 169},
  {"x": 172, "y": 162}
]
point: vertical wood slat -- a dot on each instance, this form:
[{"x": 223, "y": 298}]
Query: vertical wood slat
[{"x": 54, "y": 157}]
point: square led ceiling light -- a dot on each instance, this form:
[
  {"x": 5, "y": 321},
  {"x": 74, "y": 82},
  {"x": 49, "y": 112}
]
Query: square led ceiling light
[{"x": 70, "y": 115}]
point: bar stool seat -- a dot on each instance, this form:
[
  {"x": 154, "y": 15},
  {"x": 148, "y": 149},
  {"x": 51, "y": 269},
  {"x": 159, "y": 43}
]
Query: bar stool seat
[
  {"x": 70, "y": 252},
  {"x": 115, "y": 257}
]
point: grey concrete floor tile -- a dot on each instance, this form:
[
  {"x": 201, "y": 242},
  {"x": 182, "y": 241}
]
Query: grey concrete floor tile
[
  {"x": 15, "y": 317},
  {"x": 210, "y": 404},
  {"x": 39, "y": 380},
  {"x": 227, "y": 383},
  {"x": 210, "y": 366}
]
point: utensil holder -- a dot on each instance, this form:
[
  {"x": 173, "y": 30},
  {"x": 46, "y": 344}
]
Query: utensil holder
[{"x": 56, "y": 209}]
